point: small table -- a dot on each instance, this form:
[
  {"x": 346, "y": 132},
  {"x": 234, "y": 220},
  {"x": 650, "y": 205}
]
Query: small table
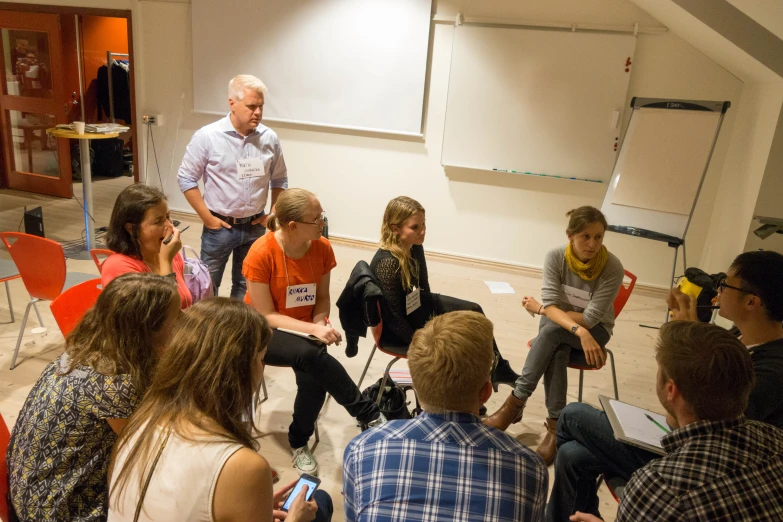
[{"x": 84, "y": 150}]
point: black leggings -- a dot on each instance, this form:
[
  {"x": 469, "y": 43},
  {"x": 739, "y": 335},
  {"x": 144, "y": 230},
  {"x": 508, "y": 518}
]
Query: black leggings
[
  {"x": 443, "y": 304},
  {"x": 317, "y": 373}
]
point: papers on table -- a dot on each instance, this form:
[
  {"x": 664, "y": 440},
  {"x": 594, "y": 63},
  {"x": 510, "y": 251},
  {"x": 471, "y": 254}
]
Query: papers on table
[
  {"x": 97, "y": 128},
  {"x": 633, "y": 425},
  {"x": 499, "y": 287}
]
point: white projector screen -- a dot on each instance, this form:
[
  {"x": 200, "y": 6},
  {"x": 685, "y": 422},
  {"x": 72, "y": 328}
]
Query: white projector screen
[
  {"x": 536, "y": 101},
  {"x": 358, "y": 64}
]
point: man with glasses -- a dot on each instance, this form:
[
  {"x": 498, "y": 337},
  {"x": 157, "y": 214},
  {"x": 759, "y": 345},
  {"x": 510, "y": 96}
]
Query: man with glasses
[
  {"x": 751, "y": 296},
  {"x": 240, "y": 161}
]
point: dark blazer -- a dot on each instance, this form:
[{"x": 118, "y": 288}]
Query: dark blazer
[{"x": 358, "y": 305}]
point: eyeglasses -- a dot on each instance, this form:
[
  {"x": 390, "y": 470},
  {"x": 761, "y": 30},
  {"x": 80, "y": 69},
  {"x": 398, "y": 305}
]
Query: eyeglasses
[
  {"x": 320, "y": 220},
  {"x": 722, "y": 286},
  {"x": 495, "y": 361}
]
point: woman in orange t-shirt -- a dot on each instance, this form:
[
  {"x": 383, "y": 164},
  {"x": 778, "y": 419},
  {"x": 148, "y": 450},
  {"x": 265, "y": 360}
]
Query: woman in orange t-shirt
[{"x": 288, "y": 275}]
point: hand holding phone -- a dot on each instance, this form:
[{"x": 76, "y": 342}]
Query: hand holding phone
[{"x": 309, "y": 482}]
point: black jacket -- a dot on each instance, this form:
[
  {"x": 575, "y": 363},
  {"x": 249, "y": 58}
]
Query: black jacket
[{"x": 358, "y": 305}]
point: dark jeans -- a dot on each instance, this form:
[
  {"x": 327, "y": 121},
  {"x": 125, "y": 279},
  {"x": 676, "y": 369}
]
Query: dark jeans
[
  {"x": 586, "y": 447},
  {"x": 325, "y": 507},
  {"x": 549, "y": 354},
  {"x": 443, "y": 304},
  {"x": 217, "y": 245},
  {"x": 317, "y": 373}
]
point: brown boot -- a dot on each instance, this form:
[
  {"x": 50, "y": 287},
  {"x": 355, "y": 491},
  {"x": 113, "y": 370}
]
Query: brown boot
[
  {"x": 509, "y": 413},
  {"x": 548, "y": 447}
]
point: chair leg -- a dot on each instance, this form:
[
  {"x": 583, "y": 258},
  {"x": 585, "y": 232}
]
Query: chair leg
[
  {"x": 10, "y": 304},
  {"x": 366, "y": 366},
  {"x": 385, "y": 378},
  {"x": 21, "y": 333},
  {"x": 614, "y": 375},
  {"x": 40, "y": 321},
  {"x": 317, "y": 438},
  {"x": 581, "y": 382}
]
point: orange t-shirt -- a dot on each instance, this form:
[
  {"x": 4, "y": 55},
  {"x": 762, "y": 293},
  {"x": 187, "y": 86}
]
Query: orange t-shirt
[{"x": 266, "y": 263}]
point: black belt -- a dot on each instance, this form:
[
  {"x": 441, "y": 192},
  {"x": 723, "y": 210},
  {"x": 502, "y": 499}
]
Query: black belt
[{"x": 236, "y": 221}]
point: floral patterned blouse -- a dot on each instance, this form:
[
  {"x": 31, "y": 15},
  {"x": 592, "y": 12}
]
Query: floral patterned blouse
[{"x": 60, "y": 446}]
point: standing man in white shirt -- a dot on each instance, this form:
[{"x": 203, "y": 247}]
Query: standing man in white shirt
[{"x": 240, "y": 162}]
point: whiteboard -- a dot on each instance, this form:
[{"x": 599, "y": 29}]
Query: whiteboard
[
  {"x": 358, "y": 64},
  {"x": 536, "y": 101},
  {"x": 663, "y": 158}
]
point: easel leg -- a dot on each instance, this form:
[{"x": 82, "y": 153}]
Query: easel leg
[
  {"x": 674, "y": 271},
  {"x": 684, "y": 260}
]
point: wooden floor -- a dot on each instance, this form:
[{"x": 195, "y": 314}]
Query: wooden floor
[{"x": 632, "y": 345}]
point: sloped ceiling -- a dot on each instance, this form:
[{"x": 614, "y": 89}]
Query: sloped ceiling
[{"x": 724, "y": 33}]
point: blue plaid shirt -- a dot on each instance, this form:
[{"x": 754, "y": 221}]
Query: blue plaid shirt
[{"x": 442, "y": 467}]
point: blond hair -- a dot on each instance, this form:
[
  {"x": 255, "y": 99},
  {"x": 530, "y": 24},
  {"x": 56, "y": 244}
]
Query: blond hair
[
  {"x": 291, "y": 206},
  {"x": 398, "y": 211},
  {"x": 204, "y": 378},
  {"x": 238, "y": 84},
  {"x": 450, "y": 360}
]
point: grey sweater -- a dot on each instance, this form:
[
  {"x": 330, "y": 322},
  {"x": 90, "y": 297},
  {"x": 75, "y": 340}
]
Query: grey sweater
[{"x": 603, "y": 289}]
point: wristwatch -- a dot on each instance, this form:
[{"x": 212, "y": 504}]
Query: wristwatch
[{"x": 574, "y": 329}]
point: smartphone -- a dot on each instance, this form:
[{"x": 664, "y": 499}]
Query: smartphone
[
  {"x": 168, "y": 239},
  {"x": 305, "y": 481}
]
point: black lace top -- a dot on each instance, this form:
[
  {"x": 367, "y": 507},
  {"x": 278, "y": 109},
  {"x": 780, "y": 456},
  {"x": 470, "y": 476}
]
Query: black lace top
[{"x": 398, "y": 326}]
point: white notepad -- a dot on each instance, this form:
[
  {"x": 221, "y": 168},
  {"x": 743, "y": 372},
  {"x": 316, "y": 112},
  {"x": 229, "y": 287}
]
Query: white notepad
[{"x": 631, "y": 425}]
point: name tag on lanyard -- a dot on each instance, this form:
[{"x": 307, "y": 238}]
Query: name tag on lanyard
[
  {"x": 250, "y": 168},
  {"x": 577, "y": 297},
  {"x": 299, "y": 295},
  {"x": 413, "y": 301}
]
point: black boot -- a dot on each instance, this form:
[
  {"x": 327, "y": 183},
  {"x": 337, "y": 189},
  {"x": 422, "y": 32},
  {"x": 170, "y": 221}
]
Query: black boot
[{"x": 503, "y": 374}]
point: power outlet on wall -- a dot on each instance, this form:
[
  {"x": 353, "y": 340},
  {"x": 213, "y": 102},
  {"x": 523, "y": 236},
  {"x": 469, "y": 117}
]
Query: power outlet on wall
[{"x": 152, "y": 119}]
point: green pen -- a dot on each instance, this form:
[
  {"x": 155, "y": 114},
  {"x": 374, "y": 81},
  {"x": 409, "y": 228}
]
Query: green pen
[{"x": 656, "y": 423}]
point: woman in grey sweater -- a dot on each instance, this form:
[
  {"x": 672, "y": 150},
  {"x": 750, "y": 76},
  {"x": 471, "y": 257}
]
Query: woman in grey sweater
[{"x": 581, "y": 281}]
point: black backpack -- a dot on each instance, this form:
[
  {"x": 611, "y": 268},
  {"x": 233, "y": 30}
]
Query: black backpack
[{"x": 393, "y": 402}]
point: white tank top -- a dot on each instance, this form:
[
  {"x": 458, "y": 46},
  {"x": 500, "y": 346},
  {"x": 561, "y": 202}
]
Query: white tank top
[{"x": 182, "y": 485}]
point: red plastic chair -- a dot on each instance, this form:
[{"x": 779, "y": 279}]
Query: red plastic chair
[
  {"x": 69, "y": 307},
  {"x": 5, "y": 438},
  {"x": 577, "y": 360},
  {"x": 41, "y": 263},
  {"x": 99, "y": 256},
  {"x": 8, "y": 271},
  {"x": 397, "y": 352}
]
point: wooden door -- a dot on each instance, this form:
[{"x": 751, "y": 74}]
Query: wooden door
[{"x": 32, "y": 100}]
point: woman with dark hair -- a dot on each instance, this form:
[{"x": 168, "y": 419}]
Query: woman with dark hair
[
  {"x": 139, "y": 224},
  {"x": 581, "y": 281},
  {"x": 189, "y": 453},
  {"x": 59, "y": 451}
]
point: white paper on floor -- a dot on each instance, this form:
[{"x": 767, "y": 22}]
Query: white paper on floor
[{"x": 499, "y": 287}]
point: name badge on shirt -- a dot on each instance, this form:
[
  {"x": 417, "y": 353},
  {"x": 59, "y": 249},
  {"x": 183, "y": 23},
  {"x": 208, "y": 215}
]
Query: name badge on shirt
[
  {"x": 413, "y": 301},
  {"x": 300, "y": 295},
  {"x": 250, "y": 168},
  {"x": 576, "y": 297}
]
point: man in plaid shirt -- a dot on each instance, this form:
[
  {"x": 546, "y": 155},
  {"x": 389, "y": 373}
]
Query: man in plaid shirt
[
  {"x": 445, "y": 465},
  {"x": 719, "y": 466}
]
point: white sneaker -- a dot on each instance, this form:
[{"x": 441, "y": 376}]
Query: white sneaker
[{"x": 304, "y": 461}]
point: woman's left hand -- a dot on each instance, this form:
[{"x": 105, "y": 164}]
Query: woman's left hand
[{"x": 531, "y": 305}]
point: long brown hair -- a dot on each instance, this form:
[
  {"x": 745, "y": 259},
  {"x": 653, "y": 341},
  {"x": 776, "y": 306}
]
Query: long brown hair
[
  {"x": 398, "y": 211},
  {"x": 130, "y": 207},
  {"x": 118, "y": 334},
  {"x": 292, "y": 205},
  {"x": 204, "y": 379}
]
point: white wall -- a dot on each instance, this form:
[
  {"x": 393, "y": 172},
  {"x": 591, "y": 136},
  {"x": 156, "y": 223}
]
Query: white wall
[{"x": 501, "y": 217}]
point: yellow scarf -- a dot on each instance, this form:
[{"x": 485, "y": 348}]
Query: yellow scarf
[{"x": 590, "y": 270}]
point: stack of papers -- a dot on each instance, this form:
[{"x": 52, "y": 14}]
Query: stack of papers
[{"x": 97, "y": 128}]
